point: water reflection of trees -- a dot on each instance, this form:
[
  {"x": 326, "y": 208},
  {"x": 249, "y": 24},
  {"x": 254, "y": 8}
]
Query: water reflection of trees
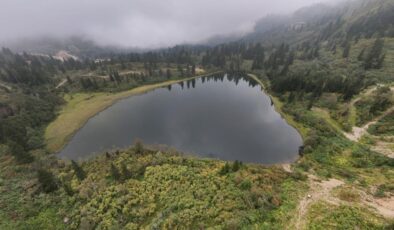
[{"x": 231, "y": 77}]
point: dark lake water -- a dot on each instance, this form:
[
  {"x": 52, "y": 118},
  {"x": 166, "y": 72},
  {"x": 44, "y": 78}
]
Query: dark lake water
[{"x": 222, "y": 117}]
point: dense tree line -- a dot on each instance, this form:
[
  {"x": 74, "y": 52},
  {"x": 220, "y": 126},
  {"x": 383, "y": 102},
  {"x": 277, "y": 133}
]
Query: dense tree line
[
  {"x": 22, "y": 131},
  {"x": 30, "y": 105},
  {"x": 34, "y": 70},
  {"x": 380, "y": 22}
]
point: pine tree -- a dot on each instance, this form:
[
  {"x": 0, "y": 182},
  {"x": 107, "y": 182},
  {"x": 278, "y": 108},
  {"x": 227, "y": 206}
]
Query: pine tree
[
  {"x": 375, "y": 58},
  {"x": 236, "y": 166},
  {"x": 346, "y": 50},
  {"x": 361, "y": 55},
  {"x": 138, "y": 147},
  {"x": 225, "y": 169},
  {"x": 69, "y": 80},
  {"x": 47, "y": 180},
  {"x": 168, "y": 74},
  {"x": 79, "y": 172},
  {"x": 19, "y": 152},
  {"x": 115, "y": 174},
  {"x": 125, "y": 172},
  {"x": 380, "y": 61}
]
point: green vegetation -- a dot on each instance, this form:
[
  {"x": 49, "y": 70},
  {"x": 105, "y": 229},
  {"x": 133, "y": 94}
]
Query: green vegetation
[
  {"x": 326, "y": 216},
  {"x": 385, "y": 126},
  {"x": 129, "y": 188},
  {"x": 321, "y": 77},
  {"x": 373, "y": 105}
]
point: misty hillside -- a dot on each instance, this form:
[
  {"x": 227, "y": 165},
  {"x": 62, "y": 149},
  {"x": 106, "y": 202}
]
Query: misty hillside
[
  {"x": 287, "y": 126},
  {"x": 78, "y": 46},
  {"x": 322, "y": 22},
  {"x": 318, "y": 22}
]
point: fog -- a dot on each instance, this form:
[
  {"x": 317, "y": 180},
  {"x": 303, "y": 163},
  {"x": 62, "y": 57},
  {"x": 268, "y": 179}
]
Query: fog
[{"x": 136, "y": 23}]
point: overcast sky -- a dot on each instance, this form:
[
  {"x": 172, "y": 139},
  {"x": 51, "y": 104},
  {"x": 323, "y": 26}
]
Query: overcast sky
[{"x": 136, "y": 23}]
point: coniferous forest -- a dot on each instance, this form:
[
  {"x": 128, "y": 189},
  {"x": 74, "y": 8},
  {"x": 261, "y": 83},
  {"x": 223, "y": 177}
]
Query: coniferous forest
[{"x": 331, "y": 77}]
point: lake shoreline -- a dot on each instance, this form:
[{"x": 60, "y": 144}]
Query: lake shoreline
[
  {"x": 278, "y": 108},
  {"x": 77, "y": 111},
  {"x": 102, "y": 101}
]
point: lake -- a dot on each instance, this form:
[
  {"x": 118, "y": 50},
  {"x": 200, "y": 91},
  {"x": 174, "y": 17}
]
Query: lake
[{"x": 225, "y": 117}]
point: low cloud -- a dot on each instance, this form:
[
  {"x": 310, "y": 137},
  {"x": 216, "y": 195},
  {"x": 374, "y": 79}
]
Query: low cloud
[{"x": 136, "y": 23}]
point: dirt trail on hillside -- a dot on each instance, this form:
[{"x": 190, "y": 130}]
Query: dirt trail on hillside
[
  {"x": 358, "y": 132},
  {"x": 366, "y": 93},
  {"x": 384, "y": 148},
  {"x": 383, "y": 206},
  {"x": 319, "y": 190},
  {"x": 5, "y": 86},
  {"x": 322, "y": 190},
  {"x": 61, "y": 83}
]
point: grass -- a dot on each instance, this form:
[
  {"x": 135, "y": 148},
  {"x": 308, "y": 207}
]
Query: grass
[
  {"x": 352, "y": 116},
  {"x": 82, "y": 106},
  {"x": 384, "y": 126},
  {"x": 348, "y": 194},
  {"x": 326, "y": 116},
  {"x": 323, "y": 215},
  {"x": 178, "y": 191}
]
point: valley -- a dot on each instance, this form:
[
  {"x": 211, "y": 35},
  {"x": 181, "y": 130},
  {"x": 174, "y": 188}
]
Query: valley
[{"x": 287, "y": 127}]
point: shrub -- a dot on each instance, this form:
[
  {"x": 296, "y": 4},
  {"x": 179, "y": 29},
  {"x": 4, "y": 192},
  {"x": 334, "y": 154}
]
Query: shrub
[
  {"x": 297, "y": 175},
  {"x": 246, "y": 185},
  {"x": 348, "y": 195},
  {"x": 67, "y": 188},
  {"x": 225, "y": 169}
]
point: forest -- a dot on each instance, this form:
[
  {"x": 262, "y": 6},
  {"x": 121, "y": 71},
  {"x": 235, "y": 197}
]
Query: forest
[{"x": 331, "y": 75}]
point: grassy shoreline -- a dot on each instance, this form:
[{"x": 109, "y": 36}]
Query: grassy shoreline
[
  {"x": 81, "y": 107},
  {"x": 278, "y": 108}
]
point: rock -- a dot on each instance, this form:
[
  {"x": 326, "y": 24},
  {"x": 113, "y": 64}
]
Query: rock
[
  {"x": 65, "y": 220},
  {"x": 309, "y": 196}
]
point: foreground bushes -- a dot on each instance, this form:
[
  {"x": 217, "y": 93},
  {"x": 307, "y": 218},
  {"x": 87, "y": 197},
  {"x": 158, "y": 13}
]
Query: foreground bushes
[{"x": 138, "y": 187}]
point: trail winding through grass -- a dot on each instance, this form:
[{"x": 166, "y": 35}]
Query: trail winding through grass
[{"x": 358, "y": 132}]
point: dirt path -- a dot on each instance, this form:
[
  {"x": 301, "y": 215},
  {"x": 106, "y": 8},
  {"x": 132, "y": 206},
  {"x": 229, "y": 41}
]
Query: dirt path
[
  {"x": 322, "y": 191},
  {"x": 384, "y": 146},
  {"x": 287, "y": 168},
  {"x": 5, "y": 86},
  {"x": 319, "y": 190},
  {"x": 358, "y": 132},
  {"x": 61, "y": 83},
  {"x": 365, "y": 93},
  {"x": 383, "y": 206}
]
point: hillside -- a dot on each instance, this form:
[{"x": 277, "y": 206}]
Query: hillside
[
  {"x": 329, "y": 72},
  {"x": 319, "y": 22}
]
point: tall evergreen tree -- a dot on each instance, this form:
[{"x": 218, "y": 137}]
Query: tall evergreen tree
[
  {"x": 375, "y": 58},
  {"x": 115, "y": 174},
  {"x": 346, "y": 50},
  {"x": 47, "y": 180},
  {"x": 79, "y": 172}
]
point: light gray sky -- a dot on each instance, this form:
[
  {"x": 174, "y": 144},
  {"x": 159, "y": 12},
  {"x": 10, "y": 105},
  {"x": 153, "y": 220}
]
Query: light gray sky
[{"x": 136, "y": 23}]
